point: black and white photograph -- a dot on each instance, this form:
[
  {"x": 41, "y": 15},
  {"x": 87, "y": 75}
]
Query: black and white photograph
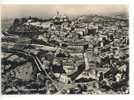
[{"x": 65, "y": 49}]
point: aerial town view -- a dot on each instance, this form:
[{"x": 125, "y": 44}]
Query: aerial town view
[{"x": 65, "y": 49}]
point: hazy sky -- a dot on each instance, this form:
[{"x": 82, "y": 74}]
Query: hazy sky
[{"x": 12, "y": 11}]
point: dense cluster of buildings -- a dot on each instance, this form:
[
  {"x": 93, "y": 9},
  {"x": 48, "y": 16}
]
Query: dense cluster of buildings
[{"x": 92, "y": 49}]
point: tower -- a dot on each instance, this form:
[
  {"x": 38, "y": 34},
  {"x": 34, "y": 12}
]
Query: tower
[{"x": 58, "y": 13}]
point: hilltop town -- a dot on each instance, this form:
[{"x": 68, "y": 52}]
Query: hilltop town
[{"x": 87, "y": 54}]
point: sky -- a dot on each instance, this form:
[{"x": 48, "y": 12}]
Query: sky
[{"x": 13, "y": 11}]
